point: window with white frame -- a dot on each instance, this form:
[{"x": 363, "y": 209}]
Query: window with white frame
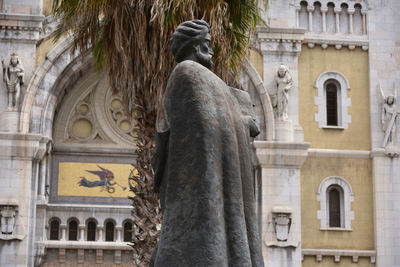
[
  {"x": 335, "y": 196},
  {"x": 332, "y": 101}
]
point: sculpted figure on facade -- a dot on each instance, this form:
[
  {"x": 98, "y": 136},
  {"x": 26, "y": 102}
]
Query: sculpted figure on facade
[
  {"x": 13, "y": 77},
  {"x": 280, "y": 94},
  {"x": 388, "y": 116},
  {"x": 203, "y": 166}
]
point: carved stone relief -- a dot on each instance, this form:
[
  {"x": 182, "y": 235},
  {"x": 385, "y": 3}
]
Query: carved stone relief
[
  {"x": 10, "y": 224},
  {"x": 82, "y": 127},
  {"x": 116, "y": 114},
  {"x": 96, "y": 119}
]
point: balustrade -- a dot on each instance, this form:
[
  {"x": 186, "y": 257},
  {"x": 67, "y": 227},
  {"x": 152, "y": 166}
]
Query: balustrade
[{"x": 332, "y": 17}]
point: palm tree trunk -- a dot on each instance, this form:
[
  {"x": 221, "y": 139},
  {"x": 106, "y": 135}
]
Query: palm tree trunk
[{"x": 146, "y": 210}]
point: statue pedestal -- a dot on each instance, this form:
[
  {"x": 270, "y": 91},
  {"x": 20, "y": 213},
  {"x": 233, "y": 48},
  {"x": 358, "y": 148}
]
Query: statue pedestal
[
  {"x": 284, "y": 131},
  {"x": 9, "y": 121},
  {"x": 280, "y": 163}
]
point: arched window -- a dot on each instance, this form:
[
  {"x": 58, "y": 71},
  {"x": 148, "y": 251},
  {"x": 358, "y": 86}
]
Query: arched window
[
  {"x": 331, "y": 19},
  {"x": 110, "y": 231},
  {"x": 54, "y": 229},
  {"x": 128, "y": 232},
  {"x": 334, "y": 206},
  {"x": 303, "y": 19},
  {"x": 357, "y": 20},
  {"x": 331, "y": 104},
  {"x": 332, "y": 101},
  {"x": 335, "y": 195},
  {"x": 91, "y": 231},
  {"x": 73, "y": 230},
  {"x": 344, "y": 19},
  {"x": 317, "y": 18}
]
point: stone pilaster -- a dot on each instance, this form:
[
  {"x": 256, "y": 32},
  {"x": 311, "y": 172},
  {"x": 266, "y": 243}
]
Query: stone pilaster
[
  {"x": 18, "y": 174},
  {"x": 386, "y": 188},
  {"x": 280, "y": 164},
  {"x": 281, "y": 46}
]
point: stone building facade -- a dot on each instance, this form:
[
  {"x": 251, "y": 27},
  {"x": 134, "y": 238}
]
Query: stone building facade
[{"x": 327, "y": 174}]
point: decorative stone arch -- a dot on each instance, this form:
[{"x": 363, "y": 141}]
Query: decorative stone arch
[
  {"x": 348, "y": 197},
  {"x": 90, "y": 219},
  {"x": 62, "y": 68},
  {"x": 343, "y": 101},
  {"x": 47, "y": 86},
  {"x": 262, "y": 92}
]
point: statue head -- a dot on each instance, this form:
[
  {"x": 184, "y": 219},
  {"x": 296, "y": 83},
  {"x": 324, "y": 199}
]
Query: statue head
[
  {"x": 282, "y": 71},
  {"x": 390, "y": 100},
  {"x": 192, "y": 41},
  {"x": 14, "y": 59}
]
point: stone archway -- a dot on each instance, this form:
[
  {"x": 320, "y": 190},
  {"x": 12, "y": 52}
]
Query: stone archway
[
  {"x": 50, "y": 82},
  {"x": 262, "y": 93}
]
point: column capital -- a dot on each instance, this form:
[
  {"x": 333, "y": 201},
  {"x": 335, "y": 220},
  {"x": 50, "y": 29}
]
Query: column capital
[
  {"x": 337, "y": 10},
  {"x": 351, "y": 11},
  {"x": 324, "y": 9},
  {"x": 310, "y": 8}
]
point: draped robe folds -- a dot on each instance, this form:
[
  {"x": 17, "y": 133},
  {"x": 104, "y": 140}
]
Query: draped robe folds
[{"x": 204, "y": 174}]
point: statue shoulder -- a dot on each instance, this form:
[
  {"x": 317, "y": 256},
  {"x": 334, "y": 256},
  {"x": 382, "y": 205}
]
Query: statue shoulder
[{"x": 242, "y": 96}]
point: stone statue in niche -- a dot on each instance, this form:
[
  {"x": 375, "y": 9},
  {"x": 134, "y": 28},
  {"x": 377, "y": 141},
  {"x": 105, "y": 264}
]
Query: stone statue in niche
[
  {"x": 388, "y": 116},
  {"x": 202, "y": 164},
  {"x": 13, "y": 77},
  {"x": 280, "y": 93}
]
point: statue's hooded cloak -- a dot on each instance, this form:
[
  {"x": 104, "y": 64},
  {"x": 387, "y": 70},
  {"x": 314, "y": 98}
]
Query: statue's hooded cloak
[{"x": 203, "y": 171}]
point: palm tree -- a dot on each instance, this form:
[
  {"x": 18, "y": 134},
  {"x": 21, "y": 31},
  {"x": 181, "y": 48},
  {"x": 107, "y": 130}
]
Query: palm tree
[{"x": 131, "y": 39}]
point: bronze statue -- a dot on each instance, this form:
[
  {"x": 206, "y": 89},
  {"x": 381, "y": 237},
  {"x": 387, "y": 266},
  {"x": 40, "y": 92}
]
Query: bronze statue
[{"x": 203, "y": 166}]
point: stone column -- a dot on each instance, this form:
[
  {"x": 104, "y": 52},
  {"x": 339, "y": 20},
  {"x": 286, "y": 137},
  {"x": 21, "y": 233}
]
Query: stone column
[
  {"x": 63, "y": 228},
  {"x": 337, "y": 12},
  {"x": 42, "y": 178},
  {"x": 100, "y": 229},
  {"x": 324, "y": 10},
  {"x": 310, "y": 10},
  {"x": 351, "y": 12},
  {"x": 280, "y": 164},
  {"x": 82, "y": 228},
  {"x": 364, "y": 21},
  {"x": 298, "y": 8},
  {"x": 119, "y": 233}
]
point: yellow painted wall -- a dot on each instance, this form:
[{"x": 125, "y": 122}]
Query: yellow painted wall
[
  {"x": 309, "y": 261},
  {"x": 358, "y": 173},
  {"x": 257, "y": 60},
  {"x": 47, "y": 6},
  {"x": 353, "y": 64}
]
